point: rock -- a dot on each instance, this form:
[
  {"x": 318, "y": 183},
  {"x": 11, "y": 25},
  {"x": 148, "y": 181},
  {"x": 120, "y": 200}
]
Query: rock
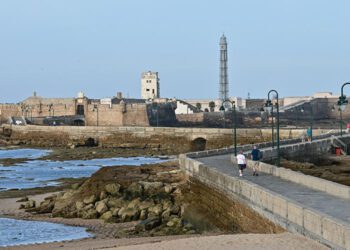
[
  {"x": 46, "y": 206},
  {"x": 151, "y": 187},
  {"x": 59, "y": 195},
  {"x": 156, "y": 210},
  {"x": 89, "y": 214},
  {"x": 128, "y": 214},
  {"x": 115, "y": 211},
  {"x": 21, "y": 206},
  {"x": 103, "y": 195},
  {"x": 114, "y": 202},
  {"x": 146, "y": 204},
  {"x": 75, "y": 186},
  {"x": 79, "y": 205},
  {"x": 24, "y": 199},
  {"x": 135, "y": 203},
  {"x": 175, "y": 209},
  {"x": 167, "y": 204},
  {"x": 112, "y": 188},
  {"x": 143, "y": 214},
  {"x": 107, "y": 216},
  {"x": 101, "y": 207},
  {"x": 166, "y": 215},
  {"x": 188, "y": 227},
  {"x": 67, "y": 195},
  {"x": 174, "y": 222},
  {"x": 29, "y": 204},
  {"x": 135, "y": 189},
  {"x": 90, "y": 199},
  {"x": 148, "y": 224},
  {"x": 90, "y": 206},
  {"x": 51, "y": 197},
  {"x": 168, "y": 189}
]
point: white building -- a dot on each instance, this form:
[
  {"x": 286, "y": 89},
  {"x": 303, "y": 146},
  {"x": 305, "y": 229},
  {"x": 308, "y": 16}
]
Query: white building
[{"x": 149, "y": 85}]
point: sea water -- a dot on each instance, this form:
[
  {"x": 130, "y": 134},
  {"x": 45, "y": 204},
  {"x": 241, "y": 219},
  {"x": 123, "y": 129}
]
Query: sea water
[
  {"x": 41, "y": 173},
  {"x": 38, "y": 173},
  {"x": 17, "y": 232},
  {"x": 28, "y": 153}
]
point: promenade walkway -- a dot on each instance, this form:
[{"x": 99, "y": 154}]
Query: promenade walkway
[{"x": 317, "y": 200}]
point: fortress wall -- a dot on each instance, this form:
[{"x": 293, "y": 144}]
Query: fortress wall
[
  {"x": 116, "y": 115},
  {"x": 8, "y": 110},
  {"x": 175, "y": 139}
]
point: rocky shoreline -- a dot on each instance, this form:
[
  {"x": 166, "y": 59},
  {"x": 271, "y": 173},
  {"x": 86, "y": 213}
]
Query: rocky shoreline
[{"x": 150, "y": 195}]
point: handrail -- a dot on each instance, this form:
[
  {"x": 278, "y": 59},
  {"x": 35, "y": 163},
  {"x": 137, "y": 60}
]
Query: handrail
[{"x": 341, "y": 143}]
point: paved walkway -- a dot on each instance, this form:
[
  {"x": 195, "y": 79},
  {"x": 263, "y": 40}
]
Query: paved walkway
[{"x": 318, "y": 200}]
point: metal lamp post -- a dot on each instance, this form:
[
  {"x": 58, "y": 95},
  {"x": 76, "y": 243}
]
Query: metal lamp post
[
  {"x": 269, "y": 108},
  {"x": 234, "y": 122},
  {"x": 342, "y": 103}
]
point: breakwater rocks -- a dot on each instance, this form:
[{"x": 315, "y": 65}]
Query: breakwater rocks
[{"x": 150, "y": 194}]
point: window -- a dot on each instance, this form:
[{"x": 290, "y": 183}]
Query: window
[
  {"x": 80, "y": 109},
  {"x": 147, "y": 89},
  {"x": 152, "y": 91}
]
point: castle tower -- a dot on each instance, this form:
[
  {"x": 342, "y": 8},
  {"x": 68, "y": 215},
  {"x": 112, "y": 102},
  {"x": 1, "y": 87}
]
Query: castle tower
[
  {"x": 150, "y": 85},
  {"x": 223, "y": 92}
]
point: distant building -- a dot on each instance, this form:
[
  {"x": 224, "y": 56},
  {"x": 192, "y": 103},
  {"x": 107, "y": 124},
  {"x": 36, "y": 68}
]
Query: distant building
[
  {"x": 150, "y": 85},
  {"x": 114, "y": 111}
]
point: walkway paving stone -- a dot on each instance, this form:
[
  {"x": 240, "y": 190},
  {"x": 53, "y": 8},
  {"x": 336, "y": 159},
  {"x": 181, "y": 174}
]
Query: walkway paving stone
[{"x": 320, "y": 201}]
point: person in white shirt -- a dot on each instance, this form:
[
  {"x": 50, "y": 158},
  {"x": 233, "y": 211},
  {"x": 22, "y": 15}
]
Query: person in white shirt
[{"x": 242, "y": 163}]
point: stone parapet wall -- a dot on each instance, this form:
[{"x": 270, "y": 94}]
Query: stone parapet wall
[{"x": 323, "y": 185}]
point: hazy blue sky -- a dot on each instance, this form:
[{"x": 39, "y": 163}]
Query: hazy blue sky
[{"x": 60, "y": 47}]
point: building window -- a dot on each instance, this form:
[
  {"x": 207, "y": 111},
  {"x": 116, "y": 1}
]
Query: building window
[
  {"x": 152, "y": 91},
  {"x": 147, "y": 89},
  {"x": 80, "y": 109}
]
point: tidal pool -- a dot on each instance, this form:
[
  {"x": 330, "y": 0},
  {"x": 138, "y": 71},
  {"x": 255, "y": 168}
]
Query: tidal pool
[
  {"x": 19, "y": 232},
  {"x": 28, "y": 153},
  {"x": 41, "y": 173}
]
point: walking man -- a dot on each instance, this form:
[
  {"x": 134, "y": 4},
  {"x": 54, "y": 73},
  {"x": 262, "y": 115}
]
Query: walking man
[
  {"x": 256, "y": 156},
  {"x": 241, "y": 161}
]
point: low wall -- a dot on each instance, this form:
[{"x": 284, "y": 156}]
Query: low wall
[
  {"x": 137, "y": 137},
  {"x": 289, "y": 214},
  {"x": 329, "y": 187},
  {"x": 287, "y": 147}
]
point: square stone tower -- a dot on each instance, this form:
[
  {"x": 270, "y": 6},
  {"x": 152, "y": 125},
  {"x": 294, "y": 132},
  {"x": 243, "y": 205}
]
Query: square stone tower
[{"x": 150, "y": 85}]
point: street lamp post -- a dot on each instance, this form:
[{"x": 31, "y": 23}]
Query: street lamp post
[
  {"x": 269, "y": 108},
  {"x": 234, "y": 122},
  {"x": 342, "y": 103},
  {"x": 96, "y": 109}
]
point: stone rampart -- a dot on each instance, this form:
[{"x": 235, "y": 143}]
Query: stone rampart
[{"x": 184, "y": 139}]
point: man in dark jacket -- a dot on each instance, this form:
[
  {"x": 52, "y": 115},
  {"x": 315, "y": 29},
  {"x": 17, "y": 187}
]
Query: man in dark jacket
[{"x": 256, "y": 156}]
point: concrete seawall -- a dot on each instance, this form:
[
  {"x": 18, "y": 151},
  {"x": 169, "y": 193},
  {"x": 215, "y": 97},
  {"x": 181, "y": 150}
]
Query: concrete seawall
[
  {"x": 287, "y": 213},
  {"x": 282, "y": 210}
]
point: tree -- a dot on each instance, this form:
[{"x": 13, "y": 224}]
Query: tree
[
  {"x": 198, "y": 105},
  {"x": 212, "y": 106}
]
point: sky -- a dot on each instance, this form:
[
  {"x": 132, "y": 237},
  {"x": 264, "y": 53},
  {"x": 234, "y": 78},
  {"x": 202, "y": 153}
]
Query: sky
[{"x": 60, "y": 47}]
